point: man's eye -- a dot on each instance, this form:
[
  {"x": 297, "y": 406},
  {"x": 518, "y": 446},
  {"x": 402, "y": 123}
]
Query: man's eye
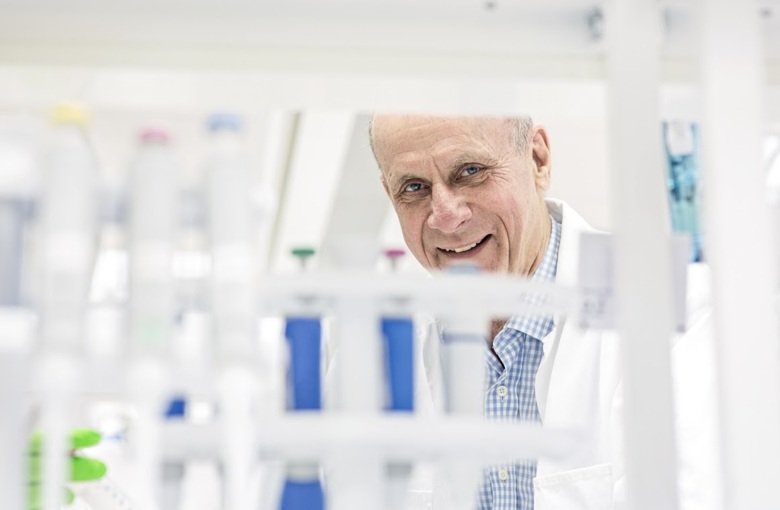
[
  {"x": 413, "y": 187},
  {"x": 470, "y": 170}
]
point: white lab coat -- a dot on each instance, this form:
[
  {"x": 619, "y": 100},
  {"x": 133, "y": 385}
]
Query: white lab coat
[{"x": 578, "y": 384}]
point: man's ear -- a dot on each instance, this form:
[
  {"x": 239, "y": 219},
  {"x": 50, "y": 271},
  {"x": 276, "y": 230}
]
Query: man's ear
[{"x": 540, "y": 149}]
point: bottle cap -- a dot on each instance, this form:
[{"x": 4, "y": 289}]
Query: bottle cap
[
  {"x": 224, "y": 121},
  {"x": 302, "y": 253},
  {"x": 154, "y": 135},
  {"x": 394, "y": 255},
  {"x": 70, "y": 113}
]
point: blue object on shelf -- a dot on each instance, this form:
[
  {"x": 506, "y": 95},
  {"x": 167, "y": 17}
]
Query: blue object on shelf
[
  {"x": 224, "y": 120},
  {"x": 177, "y": 407},
  {"x": 398, "y": 335},
  {"x": 304, "y": 338},
  {"x": 302, "y": 495}
]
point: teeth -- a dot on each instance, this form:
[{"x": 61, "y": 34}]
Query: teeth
[{"x": 464, "y": 248}]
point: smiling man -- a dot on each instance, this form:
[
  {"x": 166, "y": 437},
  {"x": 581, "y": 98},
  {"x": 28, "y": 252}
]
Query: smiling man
[
  {"x": 473, "y": 189},
  {"x": 467, "y": 189}
]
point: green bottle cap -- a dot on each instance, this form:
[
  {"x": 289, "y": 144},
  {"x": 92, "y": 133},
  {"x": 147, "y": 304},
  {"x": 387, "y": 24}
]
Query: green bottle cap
[{"x": 302, "y": 253}]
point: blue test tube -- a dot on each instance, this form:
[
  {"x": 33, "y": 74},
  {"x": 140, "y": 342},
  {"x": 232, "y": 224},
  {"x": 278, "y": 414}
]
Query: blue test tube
[
  {"x": 303, "y": 338},
  {"x": 302, "y": 495},
  {"x": 302, "y": 488},
  {"x": 398, "y": 334}
]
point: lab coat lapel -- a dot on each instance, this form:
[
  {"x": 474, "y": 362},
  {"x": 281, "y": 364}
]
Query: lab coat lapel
[{"x": 567, "y": 381}]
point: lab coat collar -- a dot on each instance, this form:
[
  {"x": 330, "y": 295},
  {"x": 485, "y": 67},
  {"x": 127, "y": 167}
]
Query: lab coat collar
[
  {"x": 566, "y": 275},
  {"x": 572, "y": 227}
]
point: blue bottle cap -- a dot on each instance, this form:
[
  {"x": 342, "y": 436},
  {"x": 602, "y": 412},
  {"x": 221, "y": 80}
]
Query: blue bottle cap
[
  {"x": 224, "y": 120},
  {"x": 177, "y": 408}
]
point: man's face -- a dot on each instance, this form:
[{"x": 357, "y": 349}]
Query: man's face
[{"x": 463, "y": 192}]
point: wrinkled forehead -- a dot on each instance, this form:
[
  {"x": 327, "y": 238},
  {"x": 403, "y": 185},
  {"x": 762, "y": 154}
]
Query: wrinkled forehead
[{"x": 400, "y": 139}]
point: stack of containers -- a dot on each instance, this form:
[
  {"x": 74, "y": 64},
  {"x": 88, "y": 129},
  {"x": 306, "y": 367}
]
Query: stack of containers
[
  {"x": 303, "y": 330},
  {"x": 399, "y": 346}
]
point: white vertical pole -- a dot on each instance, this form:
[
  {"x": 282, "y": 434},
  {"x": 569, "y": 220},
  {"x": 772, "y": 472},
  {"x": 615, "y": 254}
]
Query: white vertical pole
[
  {"x": 357, "y": 477},
  {"x": 738, "y": 243},
  {"x": 643, "y": 251}
]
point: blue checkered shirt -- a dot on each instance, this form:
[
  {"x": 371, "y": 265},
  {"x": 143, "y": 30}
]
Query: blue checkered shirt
[{"x": 511, "y": 392}]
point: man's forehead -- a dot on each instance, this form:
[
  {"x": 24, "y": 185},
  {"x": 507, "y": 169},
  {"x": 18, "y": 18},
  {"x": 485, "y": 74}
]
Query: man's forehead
[
  {"x": 401, "y": 136},
  {"x": 386, "y": 127}
]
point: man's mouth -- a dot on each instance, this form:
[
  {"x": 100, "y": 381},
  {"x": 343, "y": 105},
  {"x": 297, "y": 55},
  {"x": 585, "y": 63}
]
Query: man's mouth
[{"x": 465, "y": 250}]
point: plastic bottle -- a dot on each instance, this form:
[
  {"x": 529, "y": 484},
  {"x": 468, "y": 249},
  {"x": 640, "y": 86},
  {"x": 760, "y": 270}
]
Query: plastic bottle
[
  {"x": 233, "y": 300},
  {"x": 153, "y": 208},
  {"x": 68, "y": 213}
]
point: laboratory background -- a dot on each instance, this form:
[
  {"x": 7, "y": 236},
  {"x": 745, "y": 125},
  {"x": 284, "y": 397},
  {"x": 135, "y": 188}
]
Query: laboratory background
[{"x": 249, "y": 336}]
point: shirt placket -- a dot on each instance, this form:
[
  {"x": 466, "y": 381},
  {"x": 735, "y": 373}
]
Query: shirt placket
[{"x": 504, "y": 478}]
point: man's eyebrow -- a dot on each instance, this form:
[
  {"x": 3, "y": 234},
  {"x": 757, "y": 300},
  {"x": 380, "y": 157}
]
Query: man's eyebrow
[
  {"x": 472, "y": 157},
  {"x": 403, "y": 178},
  {"x": 482, "y": 158}
]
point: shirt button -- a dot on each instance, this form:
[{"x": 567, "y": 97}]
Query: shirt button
[
  {"x": 502, "y": 392},
  {"x": 503, "y": 474}
]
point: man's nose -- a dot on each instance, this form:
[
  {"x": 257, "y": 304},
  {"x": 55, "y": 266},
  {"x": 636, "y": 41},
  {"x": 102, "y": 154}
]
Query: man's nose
[{"x": 449, "y": 211}]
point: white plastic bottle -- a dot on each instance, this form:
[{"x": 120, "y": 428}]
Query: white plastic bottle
[
  {"x": 68, "y": 228},
  {"x": 68, "y": 212},
  {"x": 231, "y": 234},
  {"x": 233, "y": 301},
  {"x": 152, "y": 213}
]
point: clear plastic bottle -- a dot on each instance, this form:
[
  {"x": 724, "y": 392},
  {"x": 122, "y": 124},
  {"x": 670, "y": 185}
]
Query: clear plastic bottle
[
  {"x": 231, "y": 237},
  {"x": 68, "y": 241},
  {"x": 68, "y": 228},
  {"x": 233, "y": 300},
  {"x": 152, "y": 226},
  {"x": 153, "y": 216}
]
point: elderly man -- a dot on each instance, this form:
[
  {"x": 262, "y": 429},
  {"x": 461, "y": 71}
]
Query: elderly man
[{"x": 473, "y": 189}]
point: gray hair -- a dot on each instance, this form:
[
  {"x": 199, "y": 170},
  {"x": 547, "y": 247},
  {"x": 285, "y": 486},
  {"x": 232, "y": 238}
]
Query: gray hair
[{"x": 523, "y": 125}]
